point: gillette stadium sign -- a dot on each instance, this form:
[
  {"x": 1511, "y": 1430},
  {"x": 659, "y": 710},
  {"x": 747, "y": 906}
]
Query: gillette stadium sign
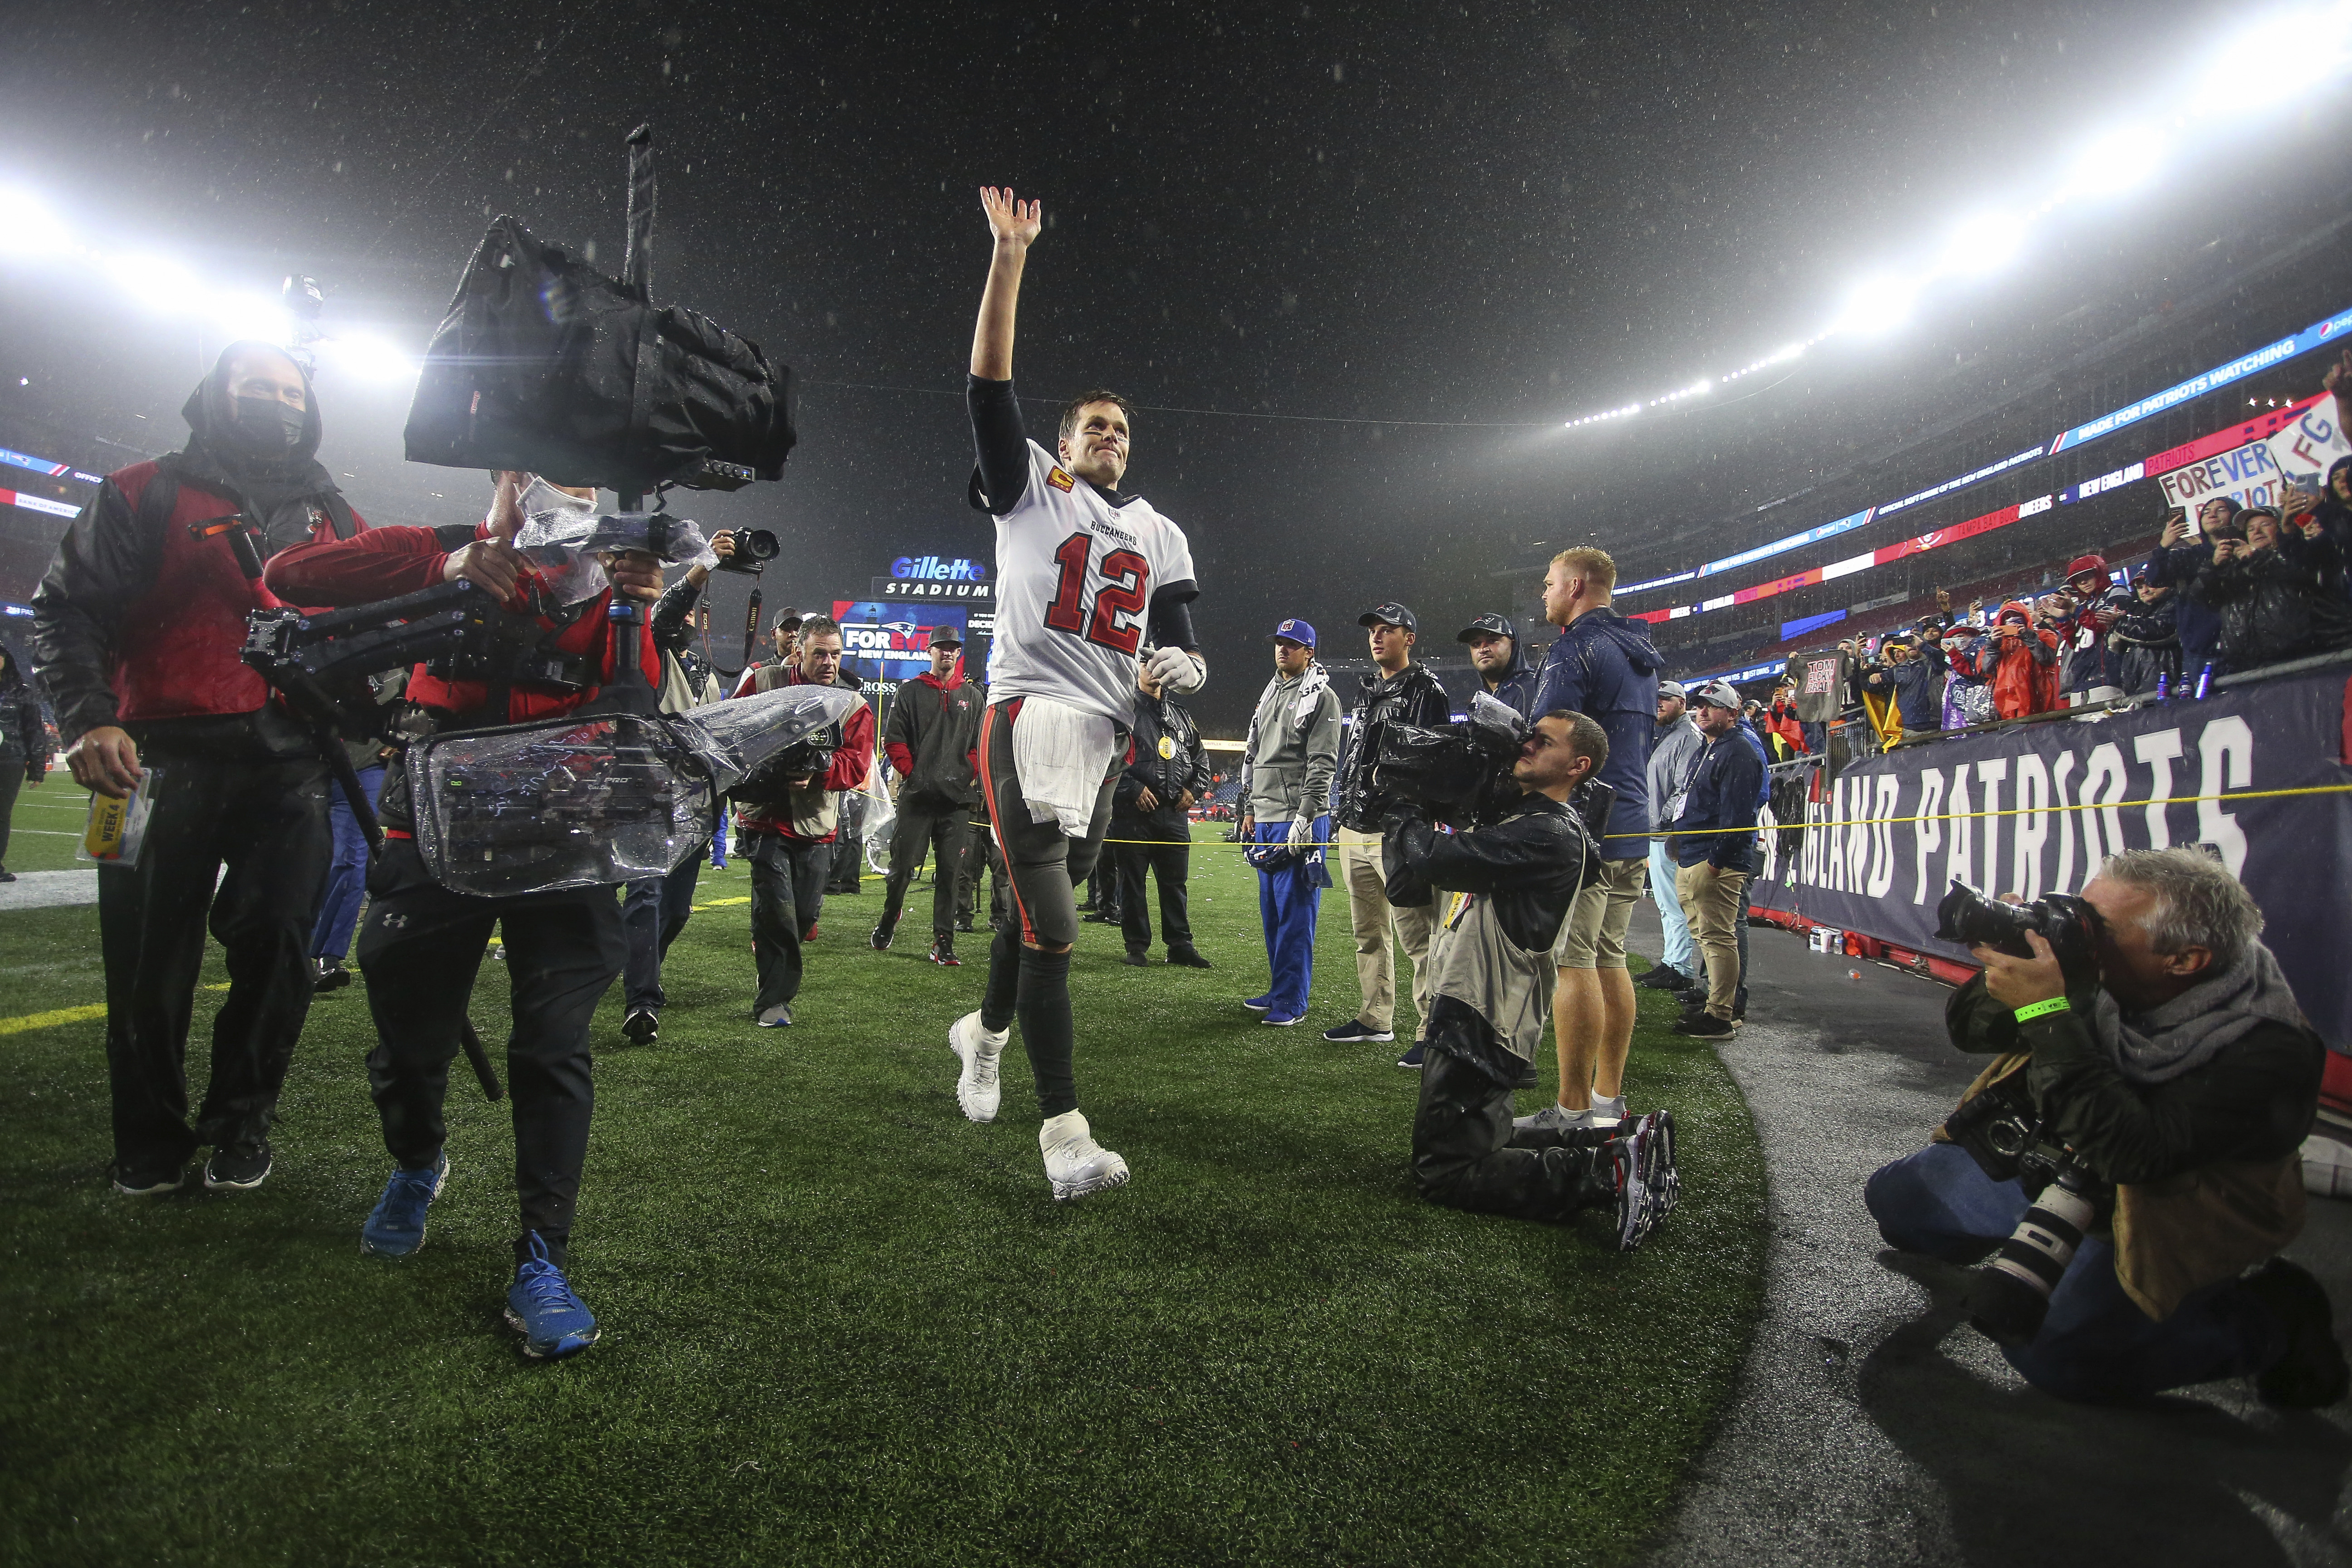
[{"x": 951, "y": 579}]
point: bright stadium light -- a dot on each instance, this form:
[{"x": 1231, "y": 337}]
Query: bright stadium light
[
  {"x": 159, "y": 285},
  {"x": 1877, "y": 305},
  {"x": 252, "y": 316},
  {"x": 28, "y": 227},
  {"x": 2116, "y": 164},
  {"x": 368, "y": 358},
  {"x": 1984, "y": 243}
]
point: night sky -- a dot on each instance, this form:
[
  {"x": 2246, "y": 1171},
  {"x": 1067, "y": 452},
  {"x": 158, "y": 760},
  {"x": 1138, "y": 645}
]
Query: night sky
[{"x": 1492, "y": 216}]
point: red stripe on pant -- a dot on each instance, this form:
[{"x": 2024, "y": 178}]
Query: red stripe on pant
[{"x": 988, "y": 792}]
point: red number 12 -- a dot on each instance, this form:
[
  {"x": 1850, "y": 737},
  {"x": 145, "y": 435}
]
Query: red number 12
[{"x": 1127, "y": 584}]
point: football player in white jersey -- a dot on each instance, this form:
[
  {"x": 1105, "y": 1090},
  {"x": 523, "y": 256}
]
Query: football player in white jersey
[{"x": 1088, "y": 580}]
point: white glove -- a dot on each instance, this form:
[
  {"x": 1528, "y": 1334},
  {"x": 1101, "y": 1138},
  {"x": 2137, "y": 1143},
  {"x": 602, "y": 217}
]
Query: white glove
[
  {"x": 1302, "y": 833},
  {"x": 1178, "y": 671}
]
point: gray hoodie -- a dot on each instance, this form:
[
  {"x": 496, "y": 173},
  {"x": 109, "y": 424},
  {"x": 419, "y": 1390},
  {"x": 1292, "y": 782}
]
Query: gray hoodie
[
  {"x": 1671, "y": 755},
  {"x": 1294, "y": 749}
]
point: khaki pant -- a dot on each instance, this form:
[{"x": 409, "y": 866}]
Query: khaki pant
[
  {"x": 1373, "y": 917},
  {"x": 1712, "y": 904}
]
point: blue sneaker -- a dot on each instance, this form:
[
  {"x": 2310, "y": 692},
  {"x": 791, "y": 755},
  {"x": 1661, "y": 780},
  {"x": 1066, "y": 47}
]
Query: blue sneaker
[
  {"x": 396, "y": 1227},
  {"x": 1260, "y": 1003},
  {"x": 1355, "y": 1031},
  {"x": 1281, "y": 1020},
  {"x": 554, "y": 1322}
]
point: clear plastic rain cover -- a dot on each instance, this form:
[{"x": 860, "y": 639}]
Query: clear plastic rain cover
[
  {"x": 573, "y": 802},
  {"x": 564, "y": 535}
]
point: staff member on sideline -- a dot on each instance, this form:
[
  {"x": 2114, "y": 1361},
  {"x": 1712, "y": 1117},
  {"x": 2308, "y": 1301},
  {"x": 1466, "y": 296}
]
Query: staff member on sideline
[
  {"x": 136, "y": 632},
  {"x": 1151, "y": 815},
  {"x": 1287, "y": 768},
  {"x": 1714, "y": 844},
  {"x": 1503, "y": 668},
  {"x": 1604, "y": 666},
  {"x": 1675, "y": 746},
  {"x": 1404, "y": 693},
  {"x": 932, "y": 739}
]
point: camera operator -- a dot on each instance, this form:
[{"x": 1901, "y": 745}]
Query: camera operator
[
  {"x": 23, "y": 745},
  {"x": 1712, "y": 842},
  {"x": 653, "y": 911},
  {"x": 1603, "y": 666},
  {"x": 1674, "y": 746},
  {"x": 1502, "y": 668},
  {"x": 1404, "y": 693},
  {"x": 933, "y": 740},
  {"x": 788, "y": 836},
  {"x": 2163, "y": 1049},
  {"x": 422, "y": 945},
  {"x": 1150, "y": 812},
  {"x": 137, "y": 629},
  {"x": 1490, "y": 964},
  {"x": 1288, "y": 763}
]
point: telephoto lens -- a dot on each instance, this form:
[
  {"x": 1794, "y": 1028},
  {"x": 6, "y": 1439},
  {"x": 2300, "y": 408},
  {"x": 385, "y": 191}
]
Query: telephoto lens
[{"x": 2011, "y": 1294}]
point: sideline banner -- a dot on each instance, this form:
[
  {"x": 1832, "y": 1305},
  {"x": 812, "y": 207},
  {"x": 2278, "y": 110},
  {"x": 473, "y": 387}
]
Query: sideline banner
[{"x": 2140, "y": 775}]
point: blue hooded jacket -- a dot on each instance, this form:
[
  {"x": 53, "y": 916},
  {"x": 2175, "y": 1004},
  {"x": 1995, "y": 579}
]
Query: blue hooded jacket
[
  {"x": 1606, "y": 667},
  {"x": 1517, "y": 689}
]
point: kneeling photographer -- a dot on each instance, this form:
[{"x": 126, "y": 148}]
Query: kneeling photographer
[
  {"x": 423, "y": 944},
  {"x": 2130, "y": 1160},
  {"x": 1515, "y": 874}
]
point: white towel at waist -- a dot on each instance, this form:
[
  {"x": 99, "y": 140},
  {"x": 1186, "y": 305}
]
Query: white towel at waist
[{"x": 1063, "y": 755}]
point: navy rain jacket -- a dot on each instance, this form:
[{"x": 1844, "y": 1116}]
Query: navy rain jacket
[{"x": 1606, "y": 667}]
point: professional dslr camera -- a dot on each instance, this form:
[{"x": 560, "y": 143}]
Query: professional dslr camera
[
  {"x": 1461, "y": 770},
  {"x": 2065, "y": 922},
  {"x": 2003, "y": 1131}
]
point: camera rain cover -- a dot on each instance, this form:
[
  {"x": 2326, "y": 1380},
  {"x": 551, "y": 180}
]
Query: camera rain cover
[
  {"x": 566, "y": 536},
  {"x": 584, "y": 801},
  {"x": 545, "y": 364}
]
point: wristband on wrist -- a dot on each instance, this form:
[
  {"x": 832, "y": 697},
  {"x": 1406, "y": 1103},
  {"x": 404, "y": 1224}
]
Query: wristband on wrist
[{"x": 2033, "y": 1010}]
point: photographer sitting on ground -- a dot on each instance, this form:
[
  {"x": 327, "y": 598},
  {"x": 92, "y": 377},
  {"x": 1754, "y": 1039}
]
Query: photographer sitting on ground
[
  {"x": 2177, "y": 1068},
  {"x": 1490, "y": 987}
]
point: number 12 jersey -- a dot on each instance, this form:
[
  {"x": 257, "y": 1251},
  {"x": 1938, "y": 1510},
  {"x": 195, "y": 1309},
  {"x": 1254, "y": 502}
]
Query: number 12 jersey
[{"x": 1074, "y": 577}]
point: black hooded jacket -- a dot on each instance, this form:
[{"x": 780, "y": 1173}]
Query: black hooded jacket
[
  {"x": 1411, "y": 696},
  {"x": 110, "y": 558}
]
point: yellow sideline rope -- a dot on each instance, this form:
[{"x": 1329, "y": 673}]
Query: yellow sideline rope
[{"x": 1875, "y": 821}]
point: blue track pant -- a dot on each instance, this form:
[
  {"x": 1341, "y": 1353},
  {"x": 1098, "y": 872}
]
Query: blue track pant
[
  {"x": 1287, "y": 902},
  {"x": 347, "y": 878},
  {"x": 1681, "y": 952}
]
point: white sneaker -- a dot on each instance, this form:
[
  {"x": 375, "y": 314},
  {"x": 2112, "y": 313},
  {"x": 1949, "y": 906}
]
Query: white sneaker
[
  {"x": 1552, "y": 1118},
  {"x": 1607, "y": 1112},
  {"x": 977, "y": 1091},
  {"x": 1075, "y": 1162}
]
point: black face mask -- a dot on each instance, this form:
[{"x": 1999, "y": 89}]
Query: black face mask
[{"x": 267, "y": 427}]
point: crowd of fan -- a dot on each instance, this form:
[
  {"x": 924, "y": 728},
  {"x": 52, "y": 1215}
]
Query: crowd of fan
[{"x": 2242, "y": 588}]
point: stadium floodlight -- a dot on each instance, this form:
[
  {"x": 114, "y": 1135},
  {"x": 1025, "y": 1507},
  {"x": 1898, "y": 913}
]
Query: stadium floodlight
[
  {"x": 2312, "y": 42},
  {"x": 1877, "y": 304},
  {"x": 28, "y": 227},
  {"x": 367, "y": 358},
  {"x": 1983, "y": 243},
  {"x": 252, "y": 316},
  {"x": 159, "y": 285},
  {"x": 2119, "y": 162}
]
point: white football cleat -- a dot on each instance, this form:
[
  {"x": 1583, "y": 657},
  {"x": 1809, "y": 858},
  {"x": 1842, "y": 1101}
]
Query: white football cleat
[
  {"x": 977, "y": 1091},
  {"x": 1075, "y": 1163}
]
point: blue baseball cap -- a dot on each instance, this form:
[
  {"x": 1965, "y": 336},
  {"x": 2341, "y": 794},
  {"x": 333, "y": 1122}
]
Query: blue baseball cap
[{"x": 1297, "y": 631}]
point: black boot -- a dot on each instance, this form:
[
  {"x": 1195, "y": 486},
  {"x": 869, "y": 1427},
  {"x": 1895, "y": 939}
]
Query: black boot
[{"x": 2311, "y": 1374}]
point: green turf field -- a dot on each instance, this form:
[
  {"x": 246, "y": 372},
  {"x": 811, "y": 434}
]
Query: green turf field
[
  {"x": 841, "y": 1325},
  {"x": 46, "y": 826}
]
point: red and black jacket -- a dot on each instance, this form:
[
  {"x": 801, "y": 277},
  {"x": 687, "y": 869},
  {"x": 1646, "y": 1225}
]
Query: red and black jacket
[{"x": 385, "y": 563}]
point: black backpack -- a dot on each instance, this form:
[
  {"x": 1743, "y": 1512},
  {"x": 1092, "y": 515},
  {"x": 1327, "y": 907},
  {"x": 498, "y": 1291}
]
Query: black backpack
[{"x": 543, "y": 364}]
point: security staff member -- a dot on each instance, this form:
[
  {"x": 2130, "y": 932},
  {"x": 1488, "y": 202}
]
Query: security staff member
[
  {"x": 136, "y": 631},
  {"x": 1151, "y": 814},
  {"x": 422, "y": 945},
  {"x": 930, "y": 739}
]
